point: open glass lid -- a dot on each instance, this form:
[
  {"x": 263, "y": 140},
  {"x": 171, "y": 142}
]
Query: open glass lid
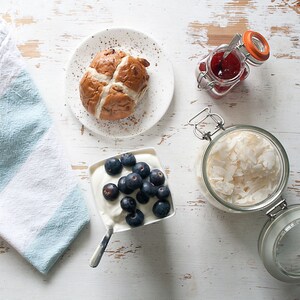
[{"x": 279, "y": 242}]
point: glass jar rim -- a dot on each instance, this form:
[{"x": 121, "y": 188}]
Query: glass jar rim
[
  {"x": 284, "y": 176},
  {"x": 269, "y": 239},
  {"x": 233, "y": 79}
]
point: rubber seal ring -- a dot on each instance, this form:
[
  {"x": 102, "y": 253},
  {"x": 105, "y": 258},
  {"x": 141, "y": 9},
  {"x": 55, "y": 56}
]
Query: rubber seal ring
[{"x": 252, "y": 48}]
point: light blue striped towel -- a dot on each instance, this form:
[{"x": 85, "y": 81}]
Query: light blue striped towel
[{"x": 41, "y": 207}]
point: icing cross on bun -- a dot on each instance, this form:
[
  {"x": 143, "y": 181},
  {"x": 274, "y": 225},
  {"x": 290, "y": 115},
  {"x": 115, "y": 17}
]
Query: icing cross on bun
[{"x": 113, "y": 84}]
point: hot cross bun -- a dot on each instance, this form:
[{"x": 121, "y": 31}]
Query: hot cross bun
[{"x": 113, "y": 84}]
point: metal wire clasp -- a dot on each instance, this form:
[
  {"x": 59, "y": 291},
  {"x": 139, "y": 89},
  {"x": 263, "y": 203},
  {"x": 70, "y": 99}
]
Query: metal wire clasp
[
  {"x": 277, "y": 208},
  {"x": 201, "y": 134},
  {"x": 209, "y": 85}
]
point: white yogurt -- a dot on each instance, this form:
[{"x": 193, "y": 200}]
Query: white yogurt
[{"x": 111, "y": 212}]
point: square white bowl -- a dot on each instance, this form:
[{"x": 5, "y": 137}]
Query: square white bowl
[{"x": 110, "y": 211}]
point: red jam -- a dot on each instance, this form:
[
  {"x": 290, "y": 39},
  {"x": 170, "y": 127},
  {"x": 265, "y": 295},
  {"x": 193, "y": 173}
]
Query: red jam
[{"x": 225, "y": 68}]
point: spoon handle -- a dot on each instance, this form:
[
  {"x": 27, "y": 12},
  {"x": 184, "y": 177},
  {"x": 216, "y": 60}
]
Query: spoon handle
[
  {"x": 232, "y": 44},
  {"x": 96, "y": 257}
]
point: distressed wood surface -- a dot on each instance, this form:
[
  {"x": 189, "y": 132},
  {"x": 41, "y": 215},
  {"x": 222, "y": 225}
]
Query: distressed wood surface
[{"x": 201, "y": 253}]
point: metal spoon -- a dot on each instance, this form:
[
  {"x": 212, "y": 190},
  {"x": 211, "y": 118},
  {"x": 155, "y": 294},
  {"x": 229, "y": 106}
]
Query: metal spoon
[
  {"x": 96, "y": 257},
  {"x": 231, "y": 46}
]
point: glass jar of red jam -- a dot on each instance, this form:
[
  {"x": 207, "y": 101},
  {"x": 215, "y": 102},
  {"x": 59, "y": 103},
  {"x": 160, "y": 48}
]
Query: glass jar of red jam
[{"x": 227, "y": 65}]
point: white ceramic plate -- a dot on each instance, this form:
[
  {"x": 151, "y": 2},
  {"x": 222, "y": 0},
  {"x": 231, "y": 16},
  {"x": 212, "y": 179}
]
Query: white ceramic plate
[{"x": 161, "y": 83}]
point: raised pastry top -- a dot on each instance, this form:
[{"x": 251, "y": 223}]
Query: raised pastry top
[{"x": 113, "y": 84}]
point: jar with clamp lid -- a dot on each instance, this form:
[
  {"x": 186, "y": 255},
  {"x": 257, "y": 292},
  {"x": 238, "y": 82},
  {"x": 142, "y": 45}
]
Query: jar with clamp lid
[
  {"x": 244, "y": 169},
  {"x": 227, "y": 65}
]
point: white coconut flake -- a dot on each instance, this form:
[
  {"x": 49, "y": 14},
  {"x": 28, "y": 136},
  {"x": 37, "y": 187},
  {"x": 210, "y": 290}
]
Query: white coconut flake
[{"x": 243, "y": 168}]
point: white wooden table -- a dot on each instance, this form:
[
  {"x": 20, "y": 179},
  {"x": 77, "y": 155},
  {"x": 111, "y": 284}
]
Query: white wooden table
[{"x": 201, "y": 253}]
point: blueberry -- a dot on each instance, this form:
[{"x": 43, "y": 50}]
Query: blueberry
[
  {"x": 113, "y": 166},
  {"x": 135, "y": 219},
  {"x": 110, "y": 191},
  {"x": 149, "y": 189},
  {"x": 161, "y": 208},
  {"x": 141, "y": 197},
  {"x": 157, "y": 177},
  {"x": 133, "y": 181},
  {"x": 123, "y": 187},
  {"x": 128, "y": 160},
  {"x": 163, "y": 192},
  {"x": 141, "y": 168},
  {"x": 128, "y": 204}
]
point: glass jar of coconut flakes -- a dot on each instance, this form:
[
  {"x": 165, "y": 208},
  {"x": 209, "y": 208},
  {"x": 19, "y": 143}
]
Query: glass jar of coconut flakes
[{"x": 244, "y": 169}]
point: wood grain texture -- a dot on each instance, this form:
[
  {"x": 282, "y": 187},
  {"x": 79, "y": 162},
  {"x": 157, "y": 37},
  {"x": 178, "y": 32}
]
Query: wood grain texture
[{"x": 201, "y": 253}]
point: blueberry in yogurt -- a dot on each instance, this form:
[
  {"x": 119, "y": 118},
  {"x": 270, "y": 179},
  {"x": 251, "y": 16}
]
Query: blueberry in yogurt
[
  {"x": 142, "y": 169},
  {"x": 123, "y": 187},
  {"x": 135, "y": 219},
  {"x": 141, "y": 197},
  {"x": 133, "y": 181},
  {"x": 128, "y": 204},
  {"x": 113, "y": 166},
  {"x": 163, "y": 192},
  {"x": 157, "y": 177},
  {"x": 110, "y": 191},
  {"x": 161, "y": 208},
  {"x": 128, "y": 160},
  {"x": 149, "y": 189}
]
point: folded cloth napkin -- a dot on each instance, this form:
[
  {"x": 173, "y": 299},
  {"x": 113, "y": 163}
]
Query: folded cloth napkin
[{"x": 41, "y": 207}]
